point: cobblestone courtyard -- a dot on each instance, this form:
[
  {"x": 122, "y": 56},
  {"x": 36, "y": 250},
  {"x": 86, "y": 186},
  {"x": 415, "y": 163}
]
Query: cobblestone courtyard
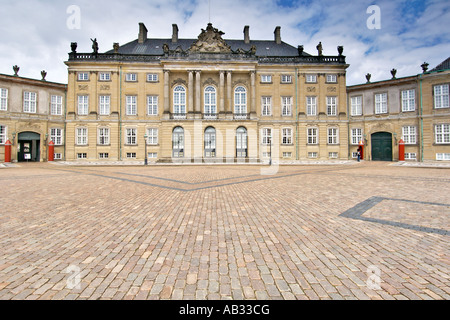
[{"x": 366, "y": 230}]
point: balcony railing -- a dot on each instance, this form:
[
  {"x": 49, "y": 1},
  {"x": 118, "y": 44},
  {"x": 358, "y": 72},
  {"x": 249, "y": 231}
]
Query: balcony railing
[
  {"x": 210, "y": 116},
  {"x": 178, "y": 116},
  {"x": 241, "y": 116}
]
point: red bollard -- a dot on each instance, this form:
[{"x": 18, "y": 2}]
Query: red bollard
[
  {"x": 401, "y": 150},
  {"x": 361, "y": 149},
  {"x": 51, "y": 150},
  {"x": 8, "y": 151}
]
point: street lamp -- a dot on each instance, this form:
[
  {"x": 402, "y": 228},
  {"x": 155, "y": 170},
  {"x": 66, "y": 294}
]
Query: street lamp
[{"x": 146, "y": 156}]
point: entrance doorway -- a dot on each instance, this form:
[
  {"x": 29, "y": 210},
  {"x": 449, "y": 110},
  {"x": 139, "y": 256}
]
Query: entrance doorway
[
  {"x": 382, "y": 146},
  {"x": 241, "y": 142},
  {"x": 29, "y": 145}
]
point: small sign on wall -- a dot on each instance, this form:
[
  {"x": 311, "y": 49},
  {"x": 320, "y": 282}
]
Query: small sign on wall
[{"x": 27, "y": 156}]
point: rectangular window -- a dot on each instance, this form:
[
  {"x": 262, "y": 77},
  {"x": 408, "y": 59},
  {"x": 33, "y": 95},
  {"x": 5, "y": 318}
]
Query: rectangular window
[
  {"x": 287, "y": 154},
  {"x": 103, "y": 155},
  {"x": 408, "y": 100},
  {"x": 131, "y": 105},
  {"x": 152, "y": 77},
  {"x": 131, "y": 155},
  {"x": 104, "y": 76},
  {"x": 83, "y": 76},
  {"x": 266, "y": 78},
  {"x": 442, "y": 132},
  {"x": 333, "y": 155},
  {"x": 331, "y": 106},
  {"x": 409, "y": 134},
  {"x": 56, "y": 105},
  {"x": 311, "y": 78},
  {"x": 266, "y": 106},
  {"x": 312, "y": 155},
  {"x": 356, "y": 135},
  {"x": 381, "y": 103},
  {"x": 82, "y": 136},
  {"x": 82, "y": 155},
  {"x": 3, "y": 99},
  {"x": 104, "y": 105},
  {"x": 356, "y": 105},
  {"x": 331, "y": 78},
  {"x": 410, "y": 156},
  {"x": 29, "y": 102},
  {"x": 312, "y": 135},
  {"x": 333, "y": 137},
  {"x": 3, "y": 134},
  {"x": 266, "y": 136},
  {"x": 286, "y": 106},
  {"x": 441, "y": 99},
  {"x": 57, "y": 156},
  {"x": 83, "y": 105},
  {"x": 285, "y": 78},
  {"x": 131, "y": 136},
  {"x": 152, "y": 105},
  {"x": 286, "y": 136},
  {"x": 354, "y": 155},
  {"x": 152, "y": 136},
  {"x": 442, "y": 156},
  {"x": 152, "y": 155},
  {"x": 56, "y": 136},
  {"x": 131, "y": 77},
  {"x": 103, "y": 136},
  {"x": 311, "y": 106}
]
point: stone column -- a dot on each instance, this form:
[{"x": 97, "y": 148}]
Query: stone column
[
  {"x": 191, "y": 92},
  {"x": 253, "y": 92},
  {"x": 198, "y": 108},
  {"x": 166, "y": 92},
  {"x": 229, "y": 107},
  {"x": 221, "y": 91}
]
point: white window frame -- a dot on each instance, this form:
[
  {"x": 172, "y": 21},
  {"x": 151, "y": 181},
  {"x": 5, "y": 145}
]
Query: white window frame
[
  {"x": 331, "y": 105},
  {"x": 56, "y": 135},
  {"x": 81, "y": 136},
  {"x": 152, "y": 77},
  {"x": 442, "y": 133},
  {"x": 240, "y": 100},
  {"x": 442, "y": 156},
  {"x": 104, "y": 105},
  {"x": 286, "y": 136},
  {"x": 311, "y": 78},
  {"x": 441, "y": 96},
  {"x": 131, "y": 155},
  {"x": 287, "y": 154},
  {"x": 312, "y": 155},
  {"x": 331, "y": 78},
  {"x": 408, "y": 100},
  {"x": 333, "y": 135},
  {"x": 333, "y": 155},
  {"x": 152, "y": 105},
  {"x": 312, "y": 134},
  {"x": 81, "y": 155},
  {"x": 83, "y": 105},
  {"x": 381, "y": 103},
  {"x": 103, "y": 134},
  {"x": 103, "y": 155},
  {"x": 56, "y": 105},
  {"x": 57, "y": 156},
  {"x": 409, "y": 134},
  {"x": 356, "y": 105},
  {"x": 3, "y": 134},
  {"x": 131, "y": 136},
  {"x": 83, "y": 76},
  {"x": 266, "y": 78},
  {"x": 29, "y": 102},
  {"x": 179, "y": 100},
  {"x": 210, "y": 100},
  {"x": 131, "y": 77},
  {"x": 266, "y": 106},
  {"x": 3, "y": 99},
  {"x": 286, "y": 106},
  {"x": 266, "y": 136},
  {"x": 104, "y": 76},
  {"x": 286, "y": 78},
  {"x": 152, "y": 136},
  {"x": 356, "y": 135},
  {"x": 410, "y": 156},
  {"x": 311, "y": 105},
  {"x": 131, "y": 105}
]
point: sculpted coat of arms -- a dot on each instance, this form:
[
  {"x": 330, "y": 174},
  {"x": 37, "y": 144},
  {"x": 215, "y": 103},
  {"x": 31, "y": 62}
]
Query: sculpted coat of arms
[{"x": 210, "y": 41}]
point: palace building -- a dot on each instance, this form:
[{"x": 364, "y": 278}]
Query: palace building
[{"x": 207, "y": 99}]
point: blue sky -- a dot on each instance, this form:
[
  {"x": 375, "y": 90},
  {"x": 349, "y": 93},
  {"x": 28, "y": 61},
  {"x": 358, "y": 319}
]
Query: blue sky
[{"x": 35, "y": 35}]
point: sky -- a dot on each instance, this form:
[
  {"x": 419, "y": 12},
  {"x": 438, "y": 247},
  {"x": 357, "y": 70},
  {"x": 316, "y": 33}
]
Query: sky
[{"x": 377, "y": 35}]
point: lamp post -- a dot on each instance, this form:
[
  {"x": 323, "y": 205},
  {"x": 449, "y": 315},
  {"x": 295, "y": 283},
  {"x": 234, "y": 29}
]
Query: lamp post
[
  {"x": 146, "y": 156},
  {"x": 270, "y": 148}
]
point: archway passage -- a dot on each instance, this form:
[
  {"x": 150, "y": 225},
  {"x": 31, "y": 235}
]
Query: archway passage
[
  {"x": 382, "y": 146},
  {"x": 29, "y": 145}
]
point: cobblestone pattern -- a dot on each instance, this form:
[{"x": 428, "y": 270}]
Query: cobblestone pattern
[{"x": 223, "y": 232}]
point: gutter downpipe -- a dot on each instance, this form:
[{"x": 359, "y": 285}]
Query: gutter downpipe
[
  {"x": 296, "y": 114},
  {"x": 120, "y": 113}
]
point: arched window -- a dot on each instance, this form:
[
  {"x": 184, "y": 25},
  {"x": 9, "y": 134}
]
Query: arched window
[
  {"x": 210, "y": 101},
  {"x": 178, "y": 142},
  {"x": 210, "y": 142},
  {"x": 241, "y": 142},
  {"x": 240, "y": 101},
  {"x": 179, "y": 100}
]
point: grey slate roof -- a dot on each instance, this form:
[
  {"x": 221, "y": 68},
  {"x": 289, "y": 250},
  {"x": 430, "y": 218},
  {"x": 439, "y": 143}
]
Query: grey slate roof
[
  {"x": 264, "y": 48},
  {"x": 444, "y": 65}
]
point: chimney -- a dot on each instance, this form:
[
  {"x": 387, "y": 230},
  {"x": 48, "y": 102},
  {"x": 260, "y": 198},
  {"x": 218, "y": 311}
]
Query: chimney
[
  {"x": 174, "y": 33},
  {"x": 277, "y": 35},
  {"x": 142, "y": 33},
  {"x": 246, "y": 34}
]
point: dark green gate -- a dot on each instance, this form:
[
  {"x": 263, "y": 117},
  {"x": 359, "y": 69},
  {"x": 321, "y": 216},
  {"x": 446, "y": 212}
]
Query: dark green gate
[{"x": 382, "y": 146}]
